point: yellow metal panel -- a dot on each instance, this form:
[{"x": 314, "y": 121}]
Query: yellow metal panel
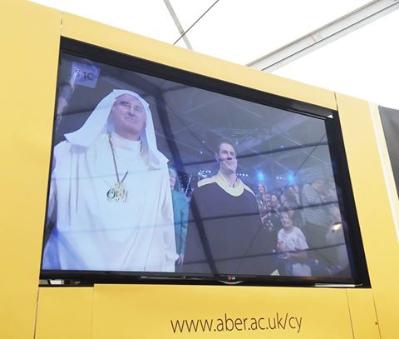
[
  {"x": 373, "y": 208},
  {"x": 363, "y": 316},
  {"x": 387, "y": 166},
  {"x": 29, "y": 63},
  {"x": 146, "y": 311},
  {"x": 105, "y": 36},
  {"x": 29, "y": 47},
  {"x": 64, "y": 313}
]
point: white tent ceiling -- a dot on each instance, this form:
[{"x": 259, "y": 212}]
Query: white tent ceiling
[{"x": 362, "y": 63}]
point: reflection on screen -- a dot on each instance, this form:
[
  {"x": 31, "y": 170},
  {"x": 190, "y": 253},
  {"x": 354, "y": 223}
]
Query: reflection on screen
[{"x": 151, "y": 175}]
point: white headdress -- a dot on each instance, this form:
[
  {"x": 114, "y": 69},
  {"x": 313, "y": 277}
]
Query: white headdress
[{"x": 97, "y": 124}]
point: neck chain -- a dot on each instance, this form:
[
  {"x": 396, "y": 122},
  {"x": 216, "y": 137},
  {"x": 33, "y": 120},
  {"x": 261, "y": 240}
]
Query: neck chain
[{"x": 118, "y": 192}]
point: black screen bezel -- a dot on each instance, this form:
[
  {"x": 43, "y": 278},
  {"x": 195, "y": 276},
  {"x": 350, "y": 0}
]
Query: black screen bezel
[{"x": 337, "y": 152}]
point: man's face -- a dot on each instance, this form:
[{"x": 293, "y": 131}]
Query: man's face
[
  {"x": 261, "y": 188},
  {"x": 286, "y": 220},
  {"x": 274, "y": 201},
  {"x": 227, "y": 158},
  {"x": 128, "y": 115}
]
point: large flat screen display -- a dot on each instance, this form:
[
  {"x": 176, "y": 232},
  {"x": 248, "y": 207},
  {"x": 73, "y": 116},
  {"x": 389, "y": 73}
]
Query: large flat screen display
[{"x": 160, "y": 173}]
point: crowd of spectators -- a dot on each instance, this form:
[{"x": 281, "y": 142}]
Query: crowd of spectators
[
  {"x": 304, "y": 222},
  {"x": 304, "y": 227}
]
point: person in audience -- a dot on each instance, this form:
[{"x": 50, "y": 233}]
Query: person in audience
[
  {"x": 225, "y": 232},
  {"x": 315, "y": 213},
  {"x": 110, "y": 202},
  {"x": 292, "y": 246},
  {"x": 291, "y": 203},
  {"x": 180, "y": 214},
  {"x": 338, "y": 254}
]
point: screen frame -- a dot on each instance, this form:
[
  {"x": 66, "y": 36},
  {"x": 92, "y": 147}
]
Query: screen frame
[{"x": 353, "y": 239}]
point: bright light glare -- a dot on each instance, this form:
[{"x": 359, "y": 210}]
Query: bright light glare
[{"x": 260, "y": 176}]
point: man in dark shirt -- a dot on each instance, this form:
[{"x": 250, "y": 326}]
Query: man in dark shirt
[{"x": 225, "y": 233}]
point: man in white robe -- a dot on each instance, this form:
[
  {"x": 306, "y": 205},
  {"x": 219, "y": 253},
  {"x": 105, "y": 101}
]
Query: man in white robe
[{"x": 110, "y": 200}]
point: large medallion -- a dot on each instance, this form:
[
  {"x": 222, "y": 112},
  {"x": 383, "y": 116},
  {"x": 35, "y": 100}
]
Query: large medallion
[{"x": 117, "y": 193}]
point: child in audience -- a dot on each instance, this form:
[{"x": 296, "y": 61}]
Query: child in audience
[{"x": 292, "y": 245}]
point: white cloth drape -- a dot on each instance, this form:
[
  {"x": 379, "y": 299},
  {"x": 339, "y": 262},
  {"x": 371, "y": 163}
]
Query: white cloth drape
[{"x": 97, "y": 234}]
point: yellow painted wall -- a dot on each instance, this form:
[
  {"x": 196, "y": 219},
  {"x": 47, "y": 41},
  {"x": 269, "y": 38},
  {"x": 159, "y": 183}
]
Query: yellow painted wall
[
  {"x": 30, "y": 45},
  {"x": 65, "y": 313},
  {"x": 374, "y": 211},
  {"x": 118, "y": 311},
  {"x": 362, "y": 312}
]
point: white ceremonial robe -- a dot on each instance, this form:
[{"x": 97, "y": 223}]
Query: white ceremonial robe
[{"x": 94, "y": 233}]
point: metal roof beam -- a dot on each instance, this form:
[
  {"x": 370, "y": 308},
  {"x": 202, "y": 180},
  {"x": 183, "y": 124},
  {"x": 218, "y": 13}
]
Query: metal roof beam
[
  {"x": 325, "y": 34},
  {"x": 178, "y": 24}
]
